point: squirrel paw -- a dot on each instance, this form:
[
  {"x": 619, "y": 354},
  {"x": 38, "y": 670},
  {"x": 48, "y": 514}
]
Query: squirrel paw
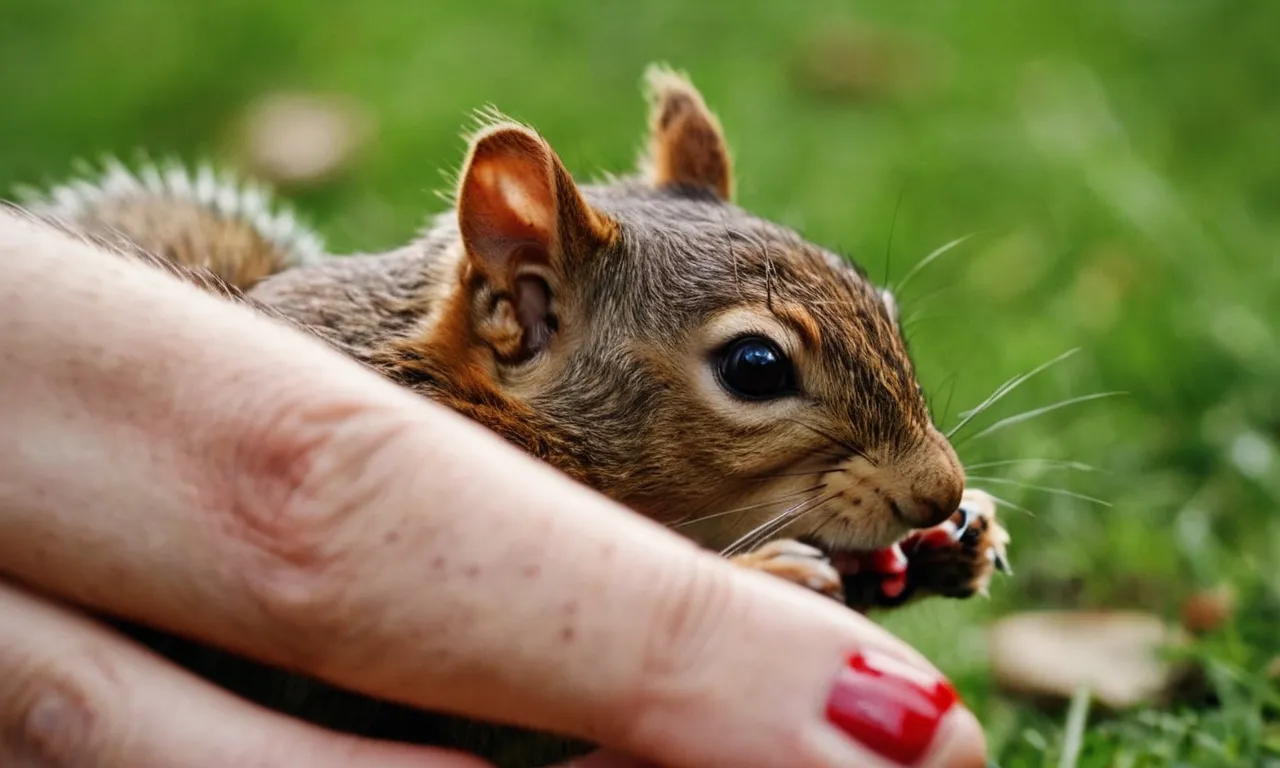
[
  {"x": 798, "y": 563},
  {"x": 962, "y": 562},
  {"x": 956, "y": 559}
]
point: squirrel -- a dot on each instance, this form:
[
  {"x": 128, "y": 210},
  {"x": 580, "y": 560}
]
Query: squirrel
[{"x": 644, "y": 335}]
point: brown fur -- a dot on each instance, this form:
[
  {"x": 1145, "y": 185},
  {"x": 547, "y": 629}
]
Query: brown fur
[
  {"x": 581, "y": 322},
  {"x": 686, "y": 144},
  {"x": 191, "y": 235},
  {"x": 615, "y": 397}
]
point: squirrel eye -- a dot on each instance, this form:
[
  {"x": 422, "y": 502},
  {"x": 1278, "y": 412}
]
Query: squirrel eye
[{"x": 753, "y": 368}]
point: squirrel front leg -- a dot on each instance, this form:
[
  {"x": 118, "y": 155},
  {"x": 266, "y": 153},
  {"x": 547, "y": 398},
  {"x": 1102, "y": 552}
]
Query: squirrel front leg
[{"x": 795, "y": 562}]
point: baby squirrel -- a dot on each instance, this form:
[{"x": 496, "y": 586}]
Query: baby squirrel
[{"x": 703, "y": 366}]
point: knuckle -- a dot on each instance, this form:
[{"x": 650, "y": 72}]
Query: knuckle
[
  {"x": 305, "y": 483},
  {"x": 55, "y": 714}
]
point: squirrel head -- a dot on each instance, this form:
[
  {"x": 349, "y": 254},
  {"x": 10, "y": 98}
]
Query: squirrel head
[{"x": 683, "y": 356}]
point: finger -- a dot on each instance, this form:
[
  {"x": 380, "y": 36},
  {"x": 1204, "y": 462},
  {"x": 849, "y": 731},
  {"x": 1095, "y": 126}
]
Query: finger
[
  {"x": 961, "y": 744},
  {"x": 604, "y": 759},
  {"x": 299, "y": 510},
  {"x": 74, "y": 694}
]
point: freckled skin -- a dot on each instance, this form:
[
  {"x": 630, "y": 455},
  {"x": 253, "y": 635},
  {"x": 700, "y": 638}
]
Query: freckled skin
[{"x": 579, "y": 323}]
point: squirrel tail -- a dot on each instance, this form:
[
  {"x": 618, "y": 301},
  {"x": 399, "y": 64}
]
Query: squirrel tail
[{"x": 198, "y": 222}]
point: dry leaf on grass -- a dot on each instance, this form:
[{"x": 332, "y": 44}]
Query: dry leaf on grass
[
  {"x": 294, "y": 138},
  {"x": 1118, "y": 656}
]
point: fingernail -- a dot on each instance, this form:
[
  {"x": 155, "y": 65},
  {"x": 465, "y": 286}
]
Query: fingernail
[{"x": 889, "y": 706}]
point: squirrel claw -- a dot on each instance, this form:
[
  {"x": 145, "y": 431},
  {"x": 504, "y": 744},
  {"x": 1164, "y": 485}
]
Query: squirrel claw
[
  {"x": 954, "y": 559},
  {"x": 962, "y": 527},
  {"x": 981, "y": 551},
  {"x": 1000, "y": 561}
]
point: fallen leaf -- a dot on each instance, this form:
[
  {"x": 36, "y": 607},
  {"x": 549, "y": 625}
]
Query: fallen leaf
[
  {"x": 296, "y": 138},
  {"x": 1116, "y": 655}
]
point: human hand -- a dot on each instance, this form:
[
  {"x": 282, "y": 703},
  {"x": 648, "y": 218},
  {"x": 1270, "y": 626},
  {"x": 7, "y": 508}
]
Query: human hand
[{"x": 183, "y": 463}]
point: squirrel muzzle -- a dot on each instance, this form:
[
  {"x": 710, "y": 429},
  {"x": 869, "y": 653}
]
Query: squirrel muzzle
[{"x": 923, "y": 486}]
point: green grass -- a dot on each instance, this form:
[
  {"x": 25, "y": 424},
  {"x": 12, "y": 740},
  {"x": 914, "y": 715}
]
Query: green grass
[{"x": 1118, "y": 162}]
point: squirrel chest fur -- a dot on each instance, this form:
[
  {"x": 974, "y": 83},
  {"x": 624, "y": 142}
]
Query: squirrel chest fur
[{"x": 701, "y": 365}]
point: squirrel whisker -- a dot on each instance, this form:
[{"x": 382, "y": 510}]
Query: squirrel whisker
[
  {"x": 919, "y": 316},
  {"x": 1018, "y": 418},
  {"x": 1004, "y": 389},
  {"x": 920, "y": 303},
  {"x": 797, "y": 473},
  {"x": 1052, "y": 463},
  {"x": 748, "y": 508},
  {"x": 850, "y": 447},
  {"x": 927, "y": 260},
  {"x": 950, "y": 382},
  {"x": 733, "y": 257},
  {"x": 1044, "y": 488},
  {"x": 893, "y": 227},
  {"x": 832, "y": 517},
  {"x": 777, "y": 523},
  {"x": 1002, "y": 502}
]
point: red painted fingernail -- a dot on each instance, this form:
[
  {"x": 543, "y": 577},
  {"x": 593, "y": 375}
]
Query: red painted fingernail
[{"x": 888, "y": 706}]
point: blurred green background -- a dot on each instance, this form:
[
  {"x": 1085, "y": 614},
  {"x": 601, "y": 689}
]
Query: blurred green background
[{"x": 1117, "y": 163}]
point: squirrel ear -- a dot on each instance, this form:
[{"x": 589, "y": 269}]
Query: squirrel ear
[
  {"x": 522, "y": 220},
  {"x": 686, "y": 143},
  {"x": 517, "y": 204}
]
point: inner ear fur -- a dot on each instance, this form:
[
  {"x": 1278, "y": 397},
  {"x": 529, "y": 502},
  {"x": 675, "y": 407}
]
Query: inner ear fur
[
  {"x": 523, "y": 221},
  {"x": 686, "y": 143}
]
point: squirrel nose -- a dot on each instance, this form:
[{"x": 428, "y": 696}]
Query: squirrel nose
[
  {"x": 935, "y": 484},
  {"x": 924, "y": 513}
]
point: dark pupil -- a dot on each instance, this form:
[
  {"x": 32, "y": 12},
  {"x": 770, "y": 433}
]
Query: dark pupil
[{"x": 756, "y": 368}]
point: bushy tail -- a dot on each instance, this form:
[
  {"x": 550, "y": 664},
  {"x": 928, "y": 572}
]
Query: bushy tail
[{"x": 203, "y": 222}]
